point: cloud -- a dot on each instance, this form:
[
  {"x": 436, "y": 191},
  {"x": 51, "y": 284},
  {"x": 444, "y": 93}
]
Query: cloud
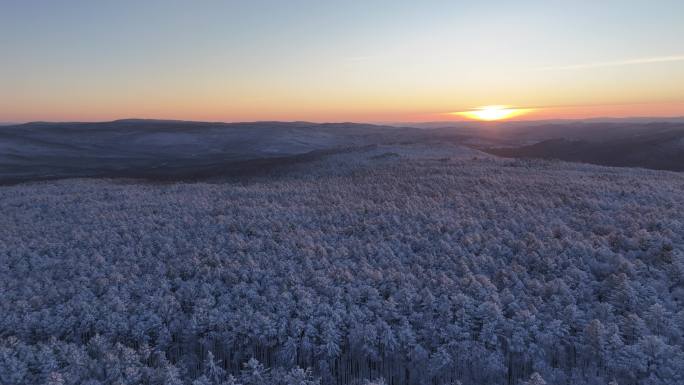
[{"x": 617, "y": 63}]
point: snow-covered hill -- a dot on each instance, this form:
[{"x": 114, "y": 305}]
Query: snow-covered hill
[
  {"x": 179, "y": 150},
  {"x": 169, "y": 149},
  {"x": 414, "y": 263}
]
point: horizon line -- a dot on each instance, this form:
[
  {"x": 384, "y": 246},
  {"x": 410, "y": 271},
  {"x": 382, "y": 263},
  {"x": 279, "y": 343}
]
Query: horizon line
[{"x": 654, "y": 119}]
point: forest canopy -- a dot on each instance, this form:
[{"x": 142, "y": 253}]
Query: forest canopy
[{"x": 392, "y": 265}]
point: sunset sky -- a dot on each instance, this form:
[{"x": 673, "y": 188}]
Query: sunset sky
[{"x": 374, "y": 61}]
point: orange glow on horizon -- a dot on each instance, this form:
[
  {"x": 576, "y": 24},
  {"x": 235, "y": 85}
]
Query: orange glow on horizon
[
  {"x": 492, "y": 113},
  {"x": 367, "y": 111}
]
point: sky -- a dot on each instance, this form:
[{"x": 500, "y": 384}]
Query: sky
[{"x": 371, "y": 60}]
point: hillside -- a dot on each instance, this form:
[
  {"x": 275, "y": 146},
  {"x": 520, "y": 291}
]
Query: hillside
[
  {"x": 179, "y": 150},
  {"x": 414, "y": 263},
  {"x": 163, "y": 149},
  {"x": 661, "y": 149}
]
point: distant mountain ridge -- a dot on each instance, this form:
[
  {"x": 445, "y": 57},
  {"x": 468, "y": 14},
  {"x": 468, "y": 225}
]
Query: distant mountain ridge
[
  {"x": 175, "y": 149},
  {"x": 514, "y": 123},
  {"x": 135, "y": 147}
]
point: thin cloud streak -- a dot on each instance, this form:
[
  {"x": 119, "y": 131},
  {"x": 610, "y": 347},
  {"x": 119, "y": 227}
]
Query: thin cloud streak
[{"x": 618, "y": 63}]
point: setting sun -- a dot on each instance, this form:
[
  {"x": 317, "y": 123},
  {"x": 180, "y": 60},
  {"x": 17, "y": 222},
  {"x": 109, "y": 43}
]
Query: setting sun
[{"x": 491, "y": 113}]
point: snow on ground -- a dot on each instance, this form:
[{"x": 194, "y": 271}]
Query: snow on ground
[{"x": 416, "y": 264}]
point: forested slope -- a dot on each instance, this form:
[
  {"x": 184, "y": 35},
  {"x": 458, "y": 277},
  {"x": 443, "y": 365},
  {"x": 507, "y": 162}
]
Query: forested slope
[
  {"x": 177, "y": 150},
  {"x": 660, "y": 150},
  {"x": 415, "y": 265}
]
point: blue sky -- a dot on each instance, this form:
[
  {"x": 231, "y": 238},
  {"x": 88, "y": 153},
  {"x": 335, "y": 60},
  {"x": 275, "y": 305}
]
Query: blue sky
[{"x": 352, "y": 60}]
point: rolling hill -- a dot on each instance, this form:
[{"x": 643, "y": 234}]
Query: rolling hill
[
  {"x": 170, "y": 149},
  {"x": 657, "y": 147}
]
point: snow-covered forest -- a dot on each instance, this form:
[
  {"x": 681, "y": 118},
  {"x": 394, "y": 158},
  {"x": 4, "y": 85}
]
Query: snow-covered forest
[{"x": 395, "y": 264}]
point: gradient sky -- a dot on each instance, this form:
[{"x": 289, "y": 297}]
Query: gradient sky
[{"x": 338, "y": 60}]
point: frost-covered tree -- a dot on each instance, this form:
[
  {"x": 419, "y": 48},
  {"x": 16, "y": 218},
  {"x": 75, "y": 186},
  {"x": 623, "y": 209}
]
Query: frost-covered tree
[{"x": 347, "y": 269}]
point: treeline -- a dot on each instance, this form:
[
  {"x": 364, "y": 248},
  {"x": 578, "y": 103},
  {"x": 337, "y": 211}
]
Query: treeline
[{"x": 410, "y": 271}]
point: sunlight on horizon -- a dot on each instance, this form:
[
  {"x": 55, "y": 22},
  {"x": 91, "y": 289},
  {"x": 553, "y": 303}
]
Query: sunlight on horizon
[
  {"x": 378, "y": 61},
  {"x": 492, "y": 113}
]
